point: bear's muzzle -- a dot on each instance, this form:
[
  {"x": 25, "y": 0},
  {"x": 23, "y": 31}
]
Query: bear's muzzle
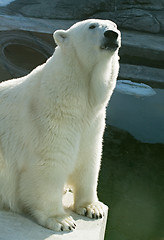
[{"x": 111, "y": 41}]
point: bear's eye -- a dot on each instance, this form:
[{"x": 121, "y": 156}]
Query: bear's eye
[{"x": 92, "y": 26}]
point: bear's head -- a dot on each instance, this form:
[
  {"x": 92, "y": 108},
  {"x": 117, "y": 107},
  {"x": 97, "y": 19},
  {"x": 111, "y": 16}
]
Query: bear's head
[{"x": 90, "y": 40}]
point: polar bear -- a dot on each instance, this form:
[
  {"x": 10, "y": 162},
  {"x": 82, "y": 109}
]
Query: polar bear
[{"x": 52, "y": 123}]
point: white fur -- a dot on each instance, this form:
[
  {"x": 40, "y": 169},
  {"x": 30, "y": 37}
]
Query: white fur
[{"x": 51, "y": 127}]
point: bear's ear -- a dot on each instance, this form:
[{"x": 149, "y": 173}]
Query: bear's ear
[{"x": 60, "y": 37}]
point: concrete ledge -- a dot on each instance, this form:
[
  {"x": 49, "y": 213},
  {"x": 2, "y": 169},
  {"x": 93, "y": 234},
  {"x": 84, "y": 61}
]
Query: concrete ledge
[
  {"x": 14, "y": 226},
  {"x": 16, "y": 22},
  {"x": 143, "y": 74}
]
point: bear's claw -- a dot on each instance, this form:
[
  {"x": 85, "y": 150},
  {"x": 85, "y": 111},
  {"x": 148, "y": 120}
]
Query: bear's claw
[{"x": 94, "y": 210}]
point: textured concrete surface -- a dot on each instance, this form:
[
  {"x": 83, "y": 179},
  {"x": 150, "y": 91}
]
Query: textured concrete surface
[
  {"x": 14, "y": 226},
  {"x": 9, "y": 22},
  {"x": 141, "y": 15}
]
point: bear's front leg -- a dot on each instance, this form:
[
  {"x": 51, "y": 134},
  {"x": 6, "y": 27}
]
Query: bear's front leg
[
  {"x": 86, "y": 202},
  {"x": 41, "y": 192},
  {"x": 42, "y": 182},
  {"x": 85, "y": 177}
]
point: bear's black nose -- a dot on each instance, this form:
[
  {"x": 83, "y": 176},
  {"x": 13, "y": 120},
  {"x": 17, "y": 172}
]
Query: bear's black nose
[{"x": 111, "y": 34}]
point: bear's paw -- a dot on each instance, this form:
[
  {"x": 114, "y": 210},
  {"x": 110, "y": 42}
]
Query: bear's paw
[
  {"x": 58, "y": 223},
  {"x": 94, "y": 210}
]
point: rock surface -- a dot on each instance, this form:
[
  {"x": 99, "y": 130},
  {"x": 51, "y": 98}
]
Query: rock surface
[
  {"x": 136, "y": 19},
  {"x": 141, "y": 15}
]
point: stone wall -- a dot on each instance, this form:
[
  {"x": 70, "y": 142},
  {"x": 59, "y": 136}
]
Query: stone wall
[{"x": 140, "y": 15}]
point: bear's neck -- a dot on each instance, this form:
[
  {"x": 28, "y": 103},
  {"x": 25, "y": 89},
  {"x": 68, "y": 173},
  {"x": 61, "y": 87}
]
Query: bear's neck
[
  {"x": 103, "y": 81},
  {"x": 94, "y": 87},
  {"x": 65, "y": 72}
]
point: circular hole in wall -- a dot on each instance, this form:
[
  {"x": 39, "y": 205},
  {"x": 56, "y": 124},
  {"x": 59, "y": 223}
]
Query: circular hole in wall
[
  {"x": 24, "y": 56},
  {"x": 21, "y": 52}
]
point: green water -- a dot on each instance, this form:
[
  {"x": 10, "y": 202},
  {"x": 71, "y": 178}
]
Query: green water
[{"x": 131, "y": 183}]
